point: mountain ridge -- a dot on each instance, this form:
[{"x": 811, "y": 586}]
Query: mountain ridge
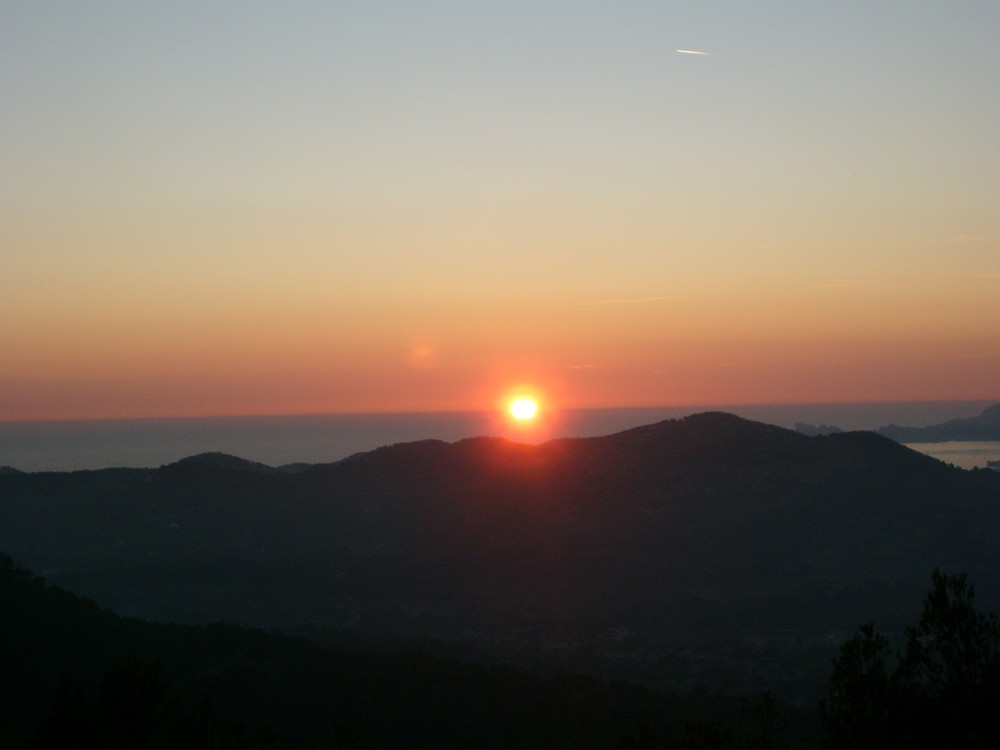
[{"x": 706, "y": 529}]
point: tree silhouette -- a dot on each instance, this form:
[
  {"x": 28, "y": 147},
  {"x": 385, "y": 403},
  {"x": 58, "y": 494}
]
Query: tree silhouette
[
  {"x": 857, "y": 711},
  {"x": 942, "y": 690}
]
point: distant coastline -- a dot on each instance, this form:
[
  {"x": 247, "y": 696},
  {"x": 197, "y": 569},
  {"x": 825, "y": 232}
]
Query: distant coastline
[
  {"x": 967, "y": 442},
  {"x": 985, "y": 426}
]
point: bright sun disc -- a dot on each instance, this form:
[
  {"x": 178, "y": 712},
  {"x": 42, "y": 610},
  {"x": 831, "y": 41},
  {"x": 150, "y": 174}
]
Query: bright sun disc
[{"x": 523, "y": 408}]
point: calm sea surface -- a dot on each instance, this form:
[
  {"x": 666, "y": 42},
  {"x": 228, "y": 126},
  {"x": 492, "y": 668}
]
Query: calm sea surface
[{"x": 64, "y": 446}]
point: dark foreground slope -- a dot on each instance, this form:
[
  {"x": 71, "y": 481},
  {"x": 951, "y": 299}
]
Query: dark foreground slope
[
  {"x": 710, "y": 543},
  {"x": 74, "y": 675}
]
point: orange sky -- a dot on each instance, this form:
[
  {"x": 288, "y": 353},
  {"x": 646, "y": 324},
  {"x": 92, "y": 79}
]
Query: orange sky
[{"x": 213, "y": 210}]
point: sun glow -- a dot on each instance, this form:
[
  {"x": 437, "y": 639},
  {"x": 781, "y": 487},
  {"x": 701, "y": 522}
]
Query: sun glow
[{"x": 523, "y": 408}]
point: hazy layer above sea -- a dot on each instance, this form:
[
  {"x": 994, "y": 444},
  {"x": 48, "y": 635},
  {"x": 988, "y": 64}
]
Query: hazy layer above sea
[{"x": 278, "y": 440}]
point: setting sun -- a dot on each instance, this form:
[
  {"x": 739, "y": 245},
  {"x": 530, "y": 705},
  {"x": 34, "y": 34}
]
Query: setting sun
[{"x": 523, "y": 408}]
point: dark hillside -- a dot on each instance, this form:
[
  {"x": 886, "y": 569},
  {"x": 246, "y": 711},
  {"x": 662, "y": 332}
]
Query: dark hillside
[
  {"x": 710, "y": 540},
  {"x": 225, "y": 686}
]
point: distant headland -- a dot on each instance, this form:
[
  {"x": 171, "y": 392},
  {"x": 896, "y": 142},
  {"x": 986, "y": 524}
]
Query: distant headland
[{"x": 986, "y": 426}]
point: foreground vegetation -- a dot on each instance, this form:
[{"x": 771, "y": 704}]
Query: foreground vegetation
[
  {"x": 940, "y": 690},
  {"x": 77, "y": 676}
]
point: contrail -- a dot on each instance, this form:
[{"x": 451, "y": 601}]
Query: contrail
[{"x": 692, "y": 52}]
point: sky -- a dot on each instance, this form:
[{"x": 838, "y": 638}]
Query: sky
[{"x": 226, "y": 208}]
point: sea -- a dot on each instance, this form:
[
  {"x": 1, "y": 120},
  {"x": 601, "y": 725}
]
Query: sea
[{"x": 323, "y": 438}]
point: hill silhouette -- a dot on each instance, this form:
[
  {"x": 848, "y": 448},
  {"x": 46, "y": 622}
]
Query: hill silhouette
[
  {"x": 225, "y": 461},
  {"x": 707, "y": 549}
]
